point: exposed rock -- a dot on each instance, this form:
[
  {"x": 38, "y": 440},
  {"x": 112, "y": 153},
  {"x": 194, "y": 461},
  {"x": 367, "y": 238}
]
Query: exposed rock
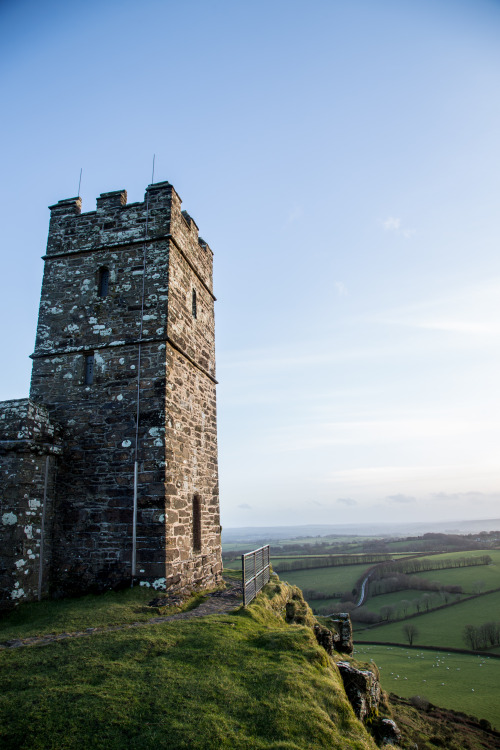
[
  {"x": 325, "y": 638},
  {"x": 343, "y": 628},
  {"x": 389, "y": 732},
  {"x": 166, "y": 601},
  {"x": 362, "y": 688}
]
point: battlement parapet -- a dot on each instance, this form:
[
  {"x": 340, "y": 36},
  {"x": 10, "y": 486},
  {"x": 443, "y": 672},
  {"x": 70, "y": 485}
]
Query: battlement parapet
[
  {"x": 109, "y": 201},
  {"x": 116, "y": 224}
]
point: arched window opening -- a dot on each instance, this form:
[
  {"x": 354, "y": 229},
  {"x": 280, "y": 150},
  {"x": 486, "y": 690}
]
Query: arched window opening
[
  {"x": 194, "y": 304},
  {"x": 89, "y": 369},
  {"x": 196, "y": 523},
  {"x": 103, "y": 286}
]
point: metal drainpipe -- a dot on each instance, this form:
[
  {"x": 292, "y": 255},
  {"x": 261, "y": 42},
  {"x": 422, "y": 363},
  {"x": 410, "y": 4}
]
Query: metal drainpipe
[{"x": 138, "y": 399}]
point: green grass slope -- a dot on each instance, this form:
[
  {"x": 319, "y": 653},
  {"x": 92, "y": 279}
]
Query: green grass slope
[
  {"x": 245, "y": 681},
  {"x": 70, "y": 615}
]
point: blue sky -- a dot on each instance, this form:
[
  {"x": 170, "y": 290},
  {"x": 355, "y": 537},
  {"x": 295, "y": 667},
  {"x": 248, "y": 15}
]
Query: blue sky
[{"x": 343, "y": 162}]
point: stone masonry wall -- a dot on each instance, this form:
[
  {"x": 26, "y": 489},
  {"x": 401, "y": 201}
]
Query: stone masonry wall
[
  {"x": 29, "y": 453},
  {"x": 177, "y": 448},
  {"x": 191, "y": 437}
]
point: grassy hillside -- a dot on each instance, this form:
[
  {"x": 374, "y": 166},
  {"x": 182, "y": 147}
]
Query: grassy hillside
[
  {"x": 69, "y": 615},
  {"x": 245, "y": 681}
]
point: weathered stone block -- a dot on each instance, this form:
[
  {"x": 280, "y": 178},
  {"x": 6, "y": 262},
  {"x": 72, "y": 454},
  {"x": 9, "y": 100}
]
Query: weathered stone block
[{"x": 362, "y": 688}]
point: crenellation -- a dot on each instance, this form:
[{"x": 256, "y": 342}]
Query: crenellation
[{"x": 108, "y": 201}]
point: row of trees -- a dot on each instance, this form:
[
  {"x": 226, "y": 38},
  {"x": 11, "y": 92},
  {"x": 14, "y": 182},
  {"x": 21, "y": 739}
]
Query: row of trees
[
  {"x": 478, "y": 637},
  {"x": 312, "y": 594},
  {"x": 421, "y": 565},
  {"x": 402, "y": 582},
  {"x": 331, "y": 561},
  {"x": 400, "y": 610}
]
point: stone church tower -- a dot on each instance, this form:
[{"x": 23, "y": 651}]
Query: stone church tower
[{"x": 111, "y": 463}]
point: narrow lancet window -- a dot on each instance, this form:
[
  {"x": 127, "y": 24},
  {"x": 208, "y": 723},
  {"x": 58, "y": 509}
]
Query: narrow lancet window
[
  {"x": 194, "y": 304},
  {"x": 103, "y": 282},
  {"x": 196, "y": 523},
  {"x": 89, "y": 369}
]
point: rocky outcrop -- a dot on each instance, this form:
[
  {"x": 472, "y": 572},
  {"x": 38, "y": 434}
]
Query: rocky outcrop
[
  {"x": 342, "y": 627},
  {"x": 336, "y": 637},
  {"x": 362, "y": 687},
  {"x": 388, "y": 732},
  {"x": 325, "y": 638}
]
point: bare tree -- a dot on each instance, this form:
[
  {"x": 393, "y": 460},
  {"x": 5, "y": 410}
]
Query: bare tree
[
  {"x": 410, "y": 632},
  {"x": 470, "y": 636},
  {"x": 405, "y": 604},
  {"x": 387, "y": 612}
]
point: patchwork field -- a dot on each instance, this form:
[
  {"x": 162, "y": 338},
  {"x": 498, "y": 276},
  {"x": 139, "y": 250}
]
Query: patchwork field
[
  {"x": 442, "y": 628},
  {"x": 469, "y": 578},
  {"x": 457, "y": 681},
  {"x": 375, "y": 603}
]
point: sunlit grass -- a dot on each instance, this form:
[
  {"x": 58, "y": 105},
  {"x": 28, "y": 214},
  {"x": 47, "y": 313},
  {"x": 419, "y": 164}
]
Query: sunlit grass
[{"x": 244, "y": 681}]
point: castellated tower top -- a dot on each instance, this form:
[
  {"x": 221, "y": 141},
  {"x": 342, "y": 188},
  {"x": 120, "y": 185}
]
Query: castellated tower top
[{"x": 114, "y": 222}]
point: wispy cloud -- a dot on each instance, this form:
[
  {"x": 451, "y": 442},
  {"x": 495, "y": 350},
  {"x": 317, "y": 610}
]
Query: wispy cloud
[
  {"x": 393, "y": 224},
  {"x": 245, "y": 506},
  {"x": 399, "y": 498},
  {"x": 346, "y": 501},
  {"x": 472, "y": 311},
  {"x": 376, "y": 431}
]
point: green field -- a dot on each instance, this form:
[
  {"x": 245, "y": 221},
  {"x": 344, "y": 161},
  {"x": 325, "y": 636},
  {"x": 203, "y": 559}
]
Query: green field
[
  {"x": 442, "y": 628},
  {"x": 375, "y": 603},
  {"x": 467, "y": 577},
  {"x": 470, "y": 682},
  {"x": 403, "y": 545},
  {"x": 327, "y": 580},
  {"x": 494, "y": 554}
]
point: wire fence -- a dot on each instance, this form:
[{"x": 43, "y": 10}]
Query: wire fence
[{"x": 255, "y": 572}]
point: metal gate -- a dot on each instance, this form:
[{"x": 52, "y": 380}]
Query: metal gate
[{"x": 256, "y": 572}]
